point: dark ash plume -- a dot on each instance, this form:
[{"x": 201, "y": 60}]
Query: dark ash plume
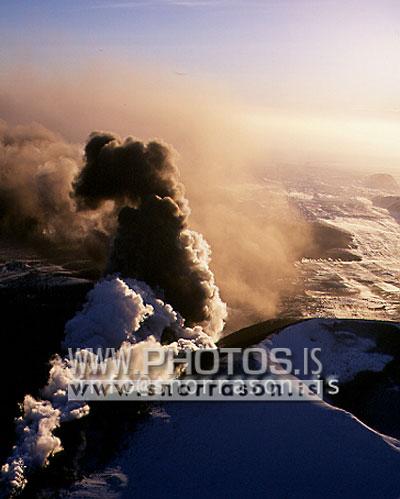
[
  {"x": 126, "y": 172},
  {"x": 153, "y": 242}
]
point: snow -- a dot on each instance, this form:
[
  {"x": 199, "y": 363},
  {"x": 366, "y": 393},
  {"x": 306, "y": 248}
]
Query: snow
[
  {"x": 366, "y": 289},
  {"x": 343, "y": 353},
  {"x": 259, "y": 450}
]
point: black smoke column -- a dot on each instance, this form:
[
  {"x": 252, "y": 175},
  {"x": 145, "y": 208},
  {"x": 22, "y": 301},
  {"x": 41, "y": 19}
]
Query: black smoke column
[{"x": 153, "y": 242}]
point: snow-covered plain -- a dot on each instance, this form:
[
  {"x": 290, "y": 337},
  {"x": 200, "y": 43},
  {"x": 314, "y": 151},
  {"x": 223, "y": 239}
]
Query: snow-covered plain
[{"x": 368, "y": 288}]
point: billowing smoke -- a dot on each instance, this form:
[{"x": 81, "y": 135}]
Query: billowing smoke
[
  {"x": 127, "y": 171},
  {"x": 153, "y": 242},
  {"x": 165, "y": 266},
  {"x": 256, "y": 237},
  {"x": 36, "y": 441},
  {"x": 165, "y": 294},
  {"x": 37, "y": 168},
  {"x": 228, "y": 152},
  {"x": 39, "y": 171},
  {"x": 123, "y": 315},
  {"x": 112, "y": 314}
]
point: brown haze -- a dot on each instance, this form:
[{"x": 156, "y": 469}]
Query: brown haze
[{"x": 254, "y": 234}]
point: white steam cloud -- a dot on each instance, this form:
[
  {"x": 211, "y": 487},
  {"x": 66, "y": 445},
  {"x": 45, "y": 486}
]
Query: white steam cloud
[{"x": 125, "y": 315}]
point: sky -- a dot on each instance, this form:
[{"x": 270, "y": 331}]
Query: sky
[{"x": 330, "y": 65}]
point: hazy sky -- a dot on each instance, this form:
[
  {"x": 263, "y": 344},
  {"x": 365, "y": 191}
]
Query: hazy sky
[{"x": 329, "y": 59}]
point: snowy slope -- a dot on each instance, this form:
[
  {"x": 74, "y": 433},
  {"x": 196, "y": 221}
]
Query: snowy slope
[
  {"x": 251, "y": 449},
  {"x": 261, "y": 449}
]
